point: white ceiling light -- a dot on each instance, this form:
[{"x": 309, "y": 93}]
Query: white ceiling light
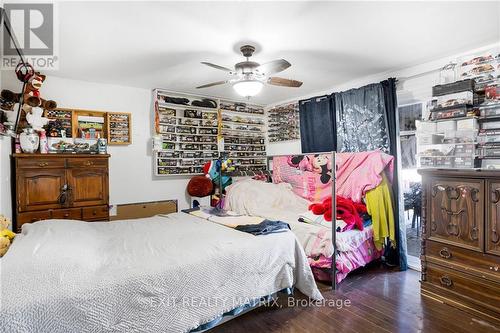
[{"x": 248, "y": 88}]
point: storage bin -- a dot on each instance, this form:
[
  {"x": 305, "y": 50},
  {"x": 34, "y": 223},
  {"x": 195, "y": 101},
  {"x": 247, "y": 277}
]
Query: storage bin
[
  {"x": 455, "y": 99},
  {"x": 467, "y": 124},
  {"x": 486, "y": 125},
  {"x": 446, "y": 126},
  {"x": 426, "y": 162},
  {"x": 493, "y": 164},
  {"x": 464, "y": 162},
  {"x": 444, "y": 162},
  {"x": 429, "y": 139},
  {"x": 425, "y": 126},
  {"x": 489, "y": 151},
  {"x": 454, "y": 87},
  {"x": 490, "y": 110},
  {"x": 489, "y": 137},
  {"x": 468, "y": 149}
]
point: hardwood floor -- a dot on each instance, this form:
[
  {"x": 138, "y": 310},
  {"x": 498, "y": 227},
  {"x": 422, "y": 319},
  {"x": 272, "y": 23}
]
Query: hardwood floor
[{"x": 381, "y": 300}]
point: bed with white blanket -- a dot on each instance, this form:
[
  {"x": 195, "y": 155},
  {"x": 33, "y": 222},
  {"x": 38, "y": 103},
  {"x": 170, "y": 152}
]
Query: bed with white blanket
[{"x": 161, "y": 274}]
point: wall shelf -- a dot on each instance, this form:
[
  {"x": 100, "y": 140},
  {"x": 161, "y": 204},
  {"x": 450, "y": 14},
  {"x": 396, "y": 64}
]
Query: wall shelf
[{"x": 173, "y": 133}]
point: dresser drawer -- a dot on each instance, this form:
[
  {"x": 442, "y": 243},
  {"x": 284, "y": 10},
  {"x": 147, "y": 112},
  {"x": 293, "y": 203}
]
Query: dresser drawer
[
  {"x": 478, "y": 293},
  {"x": 472, "y": 262},
  {"x": 97, "y": 213},
  {"x": 40, "y": 163},
  {"x": 31, "y": 217},
  {"x": 67, "y": 214},
  {"x": 87, "y": 162}
]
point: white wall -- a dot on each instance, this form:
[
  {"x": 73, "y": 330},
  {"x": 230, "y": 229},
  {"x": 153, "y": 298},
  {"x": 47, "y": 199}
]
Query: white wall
[
  {"x": 131, "y": 173},
  {"x": 415, "y": 84},
  {"x": 131, "y": 167},
  {"x": 5, "y": 202}
]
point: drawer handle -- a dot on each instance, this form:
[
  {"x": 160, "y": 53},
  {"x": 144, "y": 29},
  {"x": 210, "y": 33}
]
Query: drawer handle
[
  {"x": 66, "y": 215},
  {"x": 445, "y": 253},
  {"x": 88, "y": 163},
  {"x": 43, "y": 164},
  {"x": 94, "y": 212},
  {"x": 446, "y": 281}
]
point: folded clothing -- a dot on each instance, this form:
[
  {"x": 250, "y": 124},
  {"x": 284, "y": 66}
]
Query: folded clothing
[{"x": 264, "y": 228}]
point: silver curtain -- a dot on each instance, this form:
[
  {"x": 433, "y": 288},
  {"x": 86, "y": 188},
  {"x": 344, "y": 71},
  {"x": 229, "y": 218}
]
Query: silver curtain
[{"x": 361, "y": 119}]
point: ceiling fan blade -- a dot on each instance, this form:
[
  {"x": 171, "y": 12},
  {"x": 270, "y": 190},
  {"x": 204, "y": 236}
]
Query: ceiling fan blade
[
  {"x": 278, "y": 81},
  {"x": 212, "y": 84},
  {"x": 222, "y": 68},
  {"x": 273, "y": 67}
]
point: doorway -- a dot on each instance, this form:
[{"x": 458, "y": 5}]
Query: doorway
[{"x": 410, "y": 180}]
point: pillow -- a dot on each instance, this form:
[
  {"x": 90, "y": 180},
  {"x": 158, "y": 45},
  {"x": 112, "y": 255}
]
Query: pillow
[{"x": 309, "y": 175}]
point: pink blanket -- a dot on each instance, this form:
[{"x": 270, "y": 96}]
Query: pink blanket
[
  {"x": 310, "y": 175},
  {"x": 358, "y": 173}
]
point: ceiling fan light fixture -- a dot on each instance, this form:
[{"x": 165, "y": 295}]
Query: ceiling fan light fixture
[{"x": 248, "y": 88}]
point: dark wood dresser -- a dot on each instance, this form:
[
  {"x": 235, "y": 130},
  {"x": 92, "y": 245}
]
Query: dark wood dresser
[
  {"x": 62, "y": 186},
  {"x": 461, "y": 240}
]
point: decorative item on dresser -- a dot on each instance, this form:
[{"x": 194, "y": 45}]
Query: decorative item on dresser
[
  {"x": 461, "y": 244},
  {"x": 60, "y": 186}
]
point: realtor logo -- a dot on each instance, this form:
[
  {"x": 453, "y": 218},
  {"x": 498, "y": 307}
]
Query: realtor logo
[{"x": 34, "y": 28}]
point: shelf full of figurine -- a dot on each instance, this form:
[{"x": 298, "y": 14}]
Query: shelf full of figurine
[
  {"x": 463, "y": 129},
  {"x": 190, "y": 130},
  {"x": 283, "y": 123},
  {"x": 243, "y": 130},
  {"x": 119, "y": 129}
]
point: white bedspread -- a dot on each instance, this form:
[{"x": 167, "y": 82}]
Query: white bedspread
[
  {"x": 278, "y": 202},
  {"x": 161, "y": 274}
]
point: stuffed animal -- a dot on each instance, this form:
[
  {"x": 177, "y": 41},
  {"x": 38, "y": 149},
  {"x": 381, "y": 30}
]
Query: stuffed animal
[
  {"x": 31, "y": 94},
  {"x": 347, "y": 210},
  {"x": 6, "y": 236},
  {"x": 36, "y": 120},
  {"x": 200, "y": 186}
]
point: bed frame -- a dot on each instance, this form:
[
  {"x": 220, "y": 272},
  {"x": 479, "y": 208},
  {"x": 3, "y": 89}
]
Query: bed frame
[
  {"x": 334, "y": 204},
  {"x": 269, "y": 173}
]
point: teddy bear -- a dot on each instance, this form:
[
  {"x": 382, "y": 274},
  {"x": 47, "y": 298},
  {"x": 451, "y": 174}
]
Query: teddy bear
[
  {"x": 31, "y": 94},
  {"x": 36, "y": 120},
  {"x": 6, "y": 236}
]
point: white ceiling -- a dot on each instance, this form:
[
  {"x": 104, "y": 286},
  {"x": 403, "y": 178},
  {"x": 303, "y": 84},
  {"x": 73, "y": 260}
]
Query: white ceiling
[{"x": 161, "y": 44}]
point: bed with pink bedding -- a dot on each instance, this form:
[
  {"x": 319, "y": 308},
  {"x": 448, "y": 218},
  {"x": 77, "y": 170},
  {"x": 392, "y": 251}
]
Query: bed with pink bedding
[
  {"x": 278, "y": 202},
  {"x": 302, "y": 179}
]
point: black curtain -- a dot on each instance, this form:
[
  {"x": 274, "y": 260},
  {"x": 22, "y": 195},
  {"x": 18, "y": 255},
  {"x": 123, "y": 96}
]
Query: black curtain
[
  {"x": 317, "y": 124},
  {"x": 356, "y": 120},
  {"x": 398, "y": 256}
]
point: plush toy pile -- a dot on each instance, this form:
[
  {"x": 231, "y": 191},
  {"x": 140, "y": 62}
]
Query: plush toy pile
[
  {"x": 33, "y": 104},
  {"x": 347, "y": 210},
  {"x": 6, "y": 236}
]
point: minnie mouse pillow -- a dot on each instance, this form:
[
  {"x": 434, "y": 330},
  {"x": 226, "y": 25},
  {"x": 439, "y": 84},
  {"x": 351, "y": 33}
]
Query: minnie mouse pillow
[{"x": 309, "y": 175}]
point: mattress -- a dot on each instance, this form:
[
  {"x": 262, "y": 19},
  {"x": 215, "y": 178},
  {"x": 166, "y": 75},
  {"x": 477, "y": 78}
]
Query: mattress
[{"x": 158, "y": 274}]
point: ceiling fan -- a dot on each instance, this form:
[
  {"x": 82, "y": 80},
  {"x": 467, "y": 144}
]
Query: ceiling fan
[{"x": 248, "y": 77}]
